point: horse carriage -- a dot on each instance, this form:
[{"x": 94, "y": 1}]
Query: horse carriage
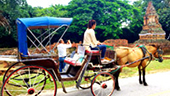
[{"x": 36, "y": 66}]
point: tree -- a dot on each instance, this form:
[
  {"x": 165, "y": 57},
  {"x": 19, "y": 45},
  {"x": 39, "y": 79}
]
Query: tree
[
  {"x": 4, "y": 22},
  {"x": 131, "y": 32},
  {"x": 54, "y": 11},
  {"x": 10, "y": 10},
  {"x": 163, "y": 10},
  {"x": 109, "y": 15}
]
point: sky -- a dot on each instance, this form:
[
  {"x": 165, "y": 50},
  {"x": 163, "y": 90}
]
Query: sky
[{"x": 48, "y": 3}]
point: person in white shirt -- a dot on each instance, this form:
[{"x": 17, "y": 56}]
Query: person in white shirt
[
  {"x": 62, "y": 47},
  {"x": 91, "y": 41}
]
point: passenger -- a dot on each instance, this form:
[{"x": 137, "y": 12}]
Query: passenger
[
  {"x": 91, "y": 41},
  {"x": 62, "y": 47}
]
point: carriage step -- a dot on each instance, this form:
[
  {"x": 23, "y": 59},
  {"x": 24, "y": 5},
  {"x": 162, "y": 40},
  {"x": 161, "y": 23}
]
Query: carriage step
[
  {"x": 66, "y": 76},
  {"x": 94, "y": 66},
  {"x": 108, "y": 62}
]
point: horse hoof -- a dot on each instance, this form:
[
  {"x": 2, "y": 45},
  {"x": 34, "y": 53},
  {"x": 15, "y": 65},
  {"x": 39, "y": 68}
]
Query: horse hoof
[
  {"x": 145, "y": 84},
  {"x": 118, "y": 89},
  {"x": 140, "y": 82}
]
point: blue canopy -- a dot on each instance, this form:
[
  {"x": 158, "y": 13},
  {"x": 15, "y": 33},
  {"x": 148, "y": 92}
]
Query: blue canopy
[{"x": 37, "y": 22}]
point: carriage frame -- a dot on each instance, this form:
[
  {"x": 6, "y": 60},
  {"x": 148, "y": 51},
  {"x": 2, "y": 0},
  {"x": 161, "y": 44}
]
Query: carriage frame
[{"x": 39, "y": 69}]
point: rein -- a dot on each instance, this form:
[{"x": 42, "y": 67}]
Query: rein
[
  {"x": 118, "y": 66},
  {"x": 136, "y": 61}
]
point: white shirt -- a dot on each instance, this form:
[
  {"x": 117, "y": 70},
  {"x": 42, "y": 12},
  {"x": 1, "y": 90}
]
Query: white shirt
[
  {"x": 62, "y": 49},
  {"x": 90, "y": 39}
]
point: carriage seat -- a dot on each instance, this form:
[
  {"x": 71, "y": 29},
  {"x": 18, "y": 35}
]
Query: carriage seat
[
  {"x": 92, "y": 51},
  {"x": 75, "y": 61}
]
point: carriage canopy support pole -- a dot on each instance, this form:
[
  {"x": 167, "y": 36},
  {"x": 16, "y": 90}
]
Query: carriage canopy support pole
[
  {"x": 38, "y": 40},
  {"x": 35, "y": 23},
  {"x": 53, "y": 33},
  {"x": 33, "y": 42},
  {"x": 60, "y": 38}
]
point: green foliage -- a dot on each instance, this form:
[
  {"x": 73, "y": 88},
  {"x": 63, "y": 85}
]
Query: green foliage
[
  {"x": 109, "y": 15},
  {"x": 53, "y": 11},
  {"x": 115, "y": 18},
  {"x": 153, "y": 67},
  {"x": 164, "y": 15},
  {"x": 11, "y": 9},
  {"x": 135, "y": 26}
]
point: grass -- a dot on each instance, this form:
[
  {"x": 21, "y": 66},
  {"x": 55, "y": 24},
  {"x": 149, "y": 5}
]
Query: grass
[
  {"x": 166, "y": 55},
  {"x": 1, "y": 77},
  {"x": 153, "y": 67}
]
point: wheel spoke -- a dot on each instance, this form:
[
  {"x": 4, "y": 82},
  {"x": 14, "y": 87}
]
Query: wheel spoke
[
  {"x": 36, "y": 78},
  {"x": 39, "y": 82},
  {"x": 86, "y": 80},
  {"x": 23, "y": 79},
  {"x": 98, "y": 93},
  {"x": 17, "y": 90},
  {"x": 34, "y": 84},
  {"x": 103, "y": 84},
  {"x": 19, "y": 82},
  {"x": 29, "y": 77}
]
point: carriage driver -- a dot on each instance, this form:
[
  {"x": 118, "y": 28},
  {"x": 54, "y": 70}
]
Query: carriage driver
[
  {"x": 90, "y": 40},
  {"x": 62, "y": 47}
]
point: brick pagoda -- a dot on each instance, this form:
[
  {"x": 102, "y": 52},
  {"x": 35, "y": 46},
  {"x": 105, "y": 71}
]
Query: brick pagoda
[
  {"x": 152, "y": 32},
  {"x": 152, "y": 29}
]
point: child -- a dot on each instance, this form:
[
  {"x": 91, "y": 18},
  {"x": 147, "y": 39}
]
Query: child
[{"x": 62, "y": 53}]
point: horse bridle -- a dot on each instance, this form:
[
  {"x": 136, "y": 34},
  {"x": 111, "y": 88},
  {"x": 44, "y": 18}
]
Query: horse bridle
[{"x": 159, "y": 53}]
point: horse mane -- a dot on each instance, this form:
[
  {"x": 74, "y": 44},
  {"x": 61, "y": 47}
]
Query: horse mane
[{"x": 155, "y": 45}]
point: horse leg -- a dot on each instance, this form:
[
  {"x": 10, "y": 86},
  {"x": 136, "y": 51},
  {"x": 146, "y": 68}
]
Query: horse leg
[
  {"x": 140, "y": 81},
  {"x": 116, "y": 81},
  {"x": 144, "y": 81}
]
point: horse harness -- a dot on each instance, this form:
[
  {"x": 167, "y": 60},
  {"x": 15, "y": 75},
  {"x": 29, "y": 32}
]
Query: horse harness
[{"x": 145, "y": 51}]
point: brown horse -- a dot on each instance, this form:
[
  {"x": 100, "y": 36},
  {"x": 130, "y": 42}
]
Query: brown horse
[{"x": 137, "y": 57}]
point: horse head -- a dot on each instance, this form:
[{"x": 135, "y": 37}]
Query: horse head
[{"x": 158, "y": 53}]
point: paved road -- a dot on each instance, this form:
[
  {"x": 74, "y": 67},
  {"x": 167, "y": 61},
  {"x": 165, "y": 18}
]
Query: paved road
[{"x": 158, "y": 85}]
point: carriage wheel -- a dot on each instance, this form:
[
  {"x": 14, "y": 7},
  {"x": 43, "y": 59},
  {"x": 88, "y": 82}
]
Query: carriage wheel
[
  {"x": 86, "y": 80},
  {"x": 103, "y": 84},
  {"x": 11, "y": 68},
  {"x": 29, "y": 80}
]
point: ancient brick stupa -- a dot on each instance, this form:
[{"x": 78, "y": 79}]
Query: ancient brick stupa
[{"x": 152, "y": 30}]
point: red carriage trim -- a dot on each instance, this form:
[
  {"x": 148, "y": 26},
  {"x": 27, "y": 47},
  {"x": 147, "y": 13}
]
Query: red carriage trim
[
  {"x": 92, "y": 51},
  {"x": 72, "y": 62}
]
